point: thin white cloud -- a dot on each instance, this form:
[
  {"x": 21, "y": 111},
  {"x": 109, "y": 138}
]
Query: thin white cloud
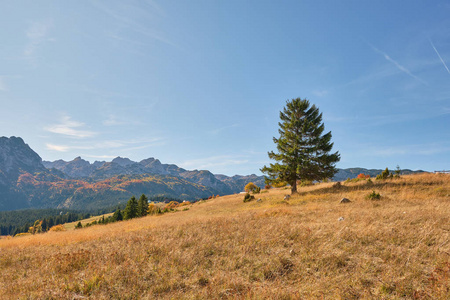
[
  {"x": 59, "y": 148},
  {"x": 320, "y": 93},
  {"x": 156, "y": 144},
  {"x": 130, "y": 22},
  {"x": 100, "y": 156},
  {"x": 109, "y": 144},
  {"x": 417, "y": 149},
  {"x": 443, "y": 62},
  {"x": 37, "y": 35},
  {"x": 212, "y": 162},
  {"x": 156, "y": 8},
  {"x": 120, "y": 145},
  {"x": 70, "y": 128},
  {"x": 399, "y": 66},
  {"x": 218, "y": 130},
  {"x": 390, "y": 151},
  {"x": 112, "y": 121}
]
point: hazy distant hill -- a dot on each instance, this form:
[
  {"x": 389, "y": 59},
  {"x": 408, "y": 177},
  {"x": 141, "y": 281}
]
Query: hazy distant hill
[{"x": 343, "y": 174}]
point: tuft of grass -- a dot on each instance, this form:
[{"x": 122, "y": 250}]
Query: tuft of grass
[{"x": 374, "y": 196}]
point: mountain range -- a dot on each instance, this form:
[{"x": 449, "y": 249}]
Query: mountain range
[{"x": 26, "y": 181}]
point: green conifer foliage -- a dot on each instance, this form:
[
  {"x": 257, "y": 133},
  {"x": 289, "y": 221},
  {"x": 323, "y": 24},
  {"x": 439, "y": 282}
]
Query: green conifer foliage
[
  {"x": 130, "y": 211},
  {"x": 142, "y": 209},
  {"x": 117, "y": 216},
  {"x": 303, "y": 149}
]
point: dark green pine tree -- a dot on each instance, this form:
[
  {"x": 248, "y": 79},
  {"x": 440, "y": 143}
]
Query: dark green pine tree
[
  {"x": 130, "y": 210},
  {"x": 303, "y": 149},
  {"x": 50, "y": 223},
  {"x": 79, "y": 225},
  {"x": 44, "y": 225},
  {"x": 142, "y": 206},
  {"x": 117, "y": 216}
]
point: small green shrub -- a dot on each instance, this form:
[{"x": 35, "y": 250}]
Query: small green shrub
[
  {"x": 397, "y": 172},
  {"x": 248, "y": 197},
  {"x": 374, "y": 196},
  {"x": 385, "y": 175}
]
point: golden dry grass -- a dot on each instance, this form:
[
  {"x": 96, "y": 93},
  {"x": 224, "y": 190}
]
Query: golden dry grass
[{"x": 393, "y": 248}]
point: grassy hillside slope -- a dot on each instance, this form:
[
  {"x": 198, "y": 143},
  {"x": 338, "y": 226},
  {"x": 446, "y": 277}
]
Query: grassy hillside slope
[{"x": 392, "y": 248}]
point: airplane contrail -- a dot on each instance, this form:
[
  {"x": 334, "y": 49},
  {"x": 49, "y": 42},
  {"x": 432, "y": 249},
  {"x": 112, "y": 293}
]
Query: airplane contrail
[
  {"x": 399, "y": 66},
  {"x": 443, "y": 62}
]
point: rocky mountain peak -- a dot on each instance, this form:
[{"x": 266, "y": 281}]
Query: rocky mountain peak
[
  {"x": 122, "y": 161},
  {"x": 98, "y": 164},
  {"x": 15, "y": 155},
  {"x": 149, "y": 161},
  {"x": 79, "y": 161}
]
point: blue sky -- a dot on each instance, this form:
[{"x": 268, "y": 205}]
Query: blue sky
[{"x": 200, "y": 83}]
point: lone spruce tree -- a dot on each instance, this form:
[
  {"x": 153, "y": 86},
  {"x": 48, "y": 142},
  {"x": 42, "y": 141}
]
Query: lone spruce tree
[{"x": 303, "y": 149}]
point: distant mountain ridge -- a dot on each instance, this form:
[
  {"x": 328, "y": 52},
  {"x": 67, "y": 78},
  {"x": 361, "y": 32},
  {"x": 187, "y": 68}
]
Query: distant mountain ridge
[
  {"x": 28, "y": 182},
  {"x": 351, "y": 173},
  {"x": 82, "y": 169}
]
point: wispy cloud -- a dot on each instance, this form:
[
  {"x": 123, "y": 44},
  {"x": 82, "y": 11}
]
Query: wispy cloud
[
  {"x": 396, "y": 64},
  {"x": 156, "y": 142},
  {"x": 66, "y": 148},
  {"x": 218, "y": 130},
  {"x": 59, "y": 148},
  {"x": 416, "y": 149},
  {"x": 101, "y": 156},
  {"x": 112, "y": 120},
  {"x": 70, "y": 128},
  {"x": 213, "y": 161},
  {"x": 443, "y": 62},
  {"x": 119, "y": 145},
  {"x": 156, "y": 8},
  {"x": 320, "y": 93},
  {"x": 37, "y": 34},
  {"x": 120, "y": 15}
]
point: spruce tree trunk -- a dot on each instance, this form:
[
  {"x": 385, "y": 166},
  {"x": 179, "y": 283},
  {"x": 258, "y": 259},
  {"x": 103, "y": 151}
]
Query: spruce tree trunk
[{"x": 294, "y": 187}]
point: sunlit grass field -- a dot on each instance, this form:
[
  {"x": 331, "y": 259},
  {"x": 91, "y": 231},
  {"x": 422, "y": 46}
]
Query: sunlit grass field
[{"x": 309, "y": 247}]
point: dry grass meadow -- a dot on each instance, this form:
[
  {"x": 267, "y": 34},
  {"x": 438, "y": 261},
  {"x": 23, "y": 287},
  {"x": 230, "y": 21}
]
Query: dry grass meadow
[{"x": 396, "y": 247}]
